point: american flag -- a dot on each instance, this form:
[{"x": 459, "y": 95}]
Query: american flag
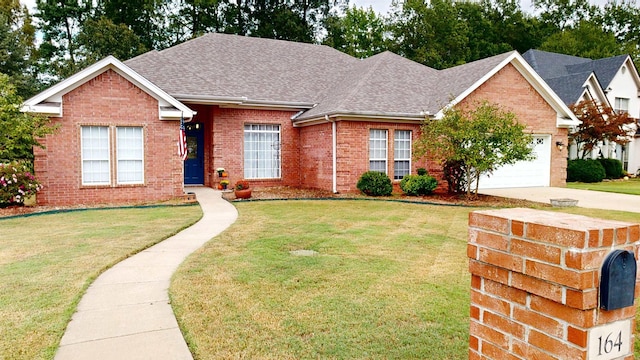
[{"x": 182, "y": 141}]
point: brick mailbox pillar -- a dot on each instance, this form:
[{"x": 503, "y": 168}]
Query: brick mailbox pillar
[{"x": 535, "y": 286}]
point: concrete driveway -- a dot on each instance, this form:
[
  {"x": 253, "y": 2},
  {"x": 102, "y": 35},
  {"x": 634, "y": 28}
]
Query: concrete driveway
[{"x": 586, "y": 198}]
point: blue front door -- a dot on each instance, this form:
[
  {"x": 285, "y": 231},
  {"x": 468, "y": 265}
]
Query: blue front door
[{"x": 194, "y": 165}]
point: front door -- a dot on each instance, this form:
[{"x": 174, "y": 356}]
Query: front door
[{"x": 194, "y": 165}]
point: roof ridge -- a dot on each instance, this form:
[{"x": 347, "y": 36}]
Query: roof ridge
[{"x": 361, "y": 79}]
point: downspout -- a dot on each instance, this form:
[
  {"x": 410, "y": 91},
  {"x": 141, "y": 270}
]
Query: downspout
[{"x": 334, "y": 156}]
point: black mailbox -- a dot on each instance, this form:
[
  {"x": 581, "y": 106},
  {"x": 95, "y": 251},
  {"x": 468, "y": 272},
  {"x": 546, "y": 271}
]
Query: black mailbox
[{"x": 618, "y": 280}]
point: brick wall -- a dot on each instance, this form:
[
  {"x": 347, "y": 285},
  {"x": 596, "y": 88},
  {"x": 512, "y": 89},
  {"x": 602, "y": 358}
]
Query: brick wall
[
  {"x": 534, "y": 282},
  {"x": 511, "y": 90},
  {"x": 108, "y": 100},
  {"x": 227, "y": 136}
]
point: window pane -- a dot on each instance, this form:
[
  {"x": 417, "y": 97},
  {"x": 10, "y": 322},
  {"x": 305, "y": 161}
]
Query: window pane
[
  {"x": 261, "y": 151},
  {"x": 401, "y": 154},
  {"x": 378, "y": 150},
  {"x": 95, "y": 155},
  {"x": 130, "y": 155}
]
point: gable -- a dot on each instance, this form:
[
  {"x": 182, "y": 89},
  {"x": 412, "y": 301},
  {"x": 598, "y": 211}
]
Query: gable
[{"x": 50, "y": 101}]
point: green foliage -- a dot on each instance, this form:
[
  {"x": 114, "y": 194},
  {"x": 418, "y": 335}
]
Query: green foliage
[
  {"x": 612, "y": 168},
  {"x": 375, "y": 183},
  {"x": 585, "y": 170},
  {"x": 418, "y": 185},
  {"x": 422, "y": 171},
  {"x": 19, "y": 132},
  {"x": 101, "y": 37},
  {"x": 359, "y": 33},
  {"x": 16, "y": 183},
  {"x": 17, "y": 47},
  {"x": 480, "y": 140},
  {"x": 587, "y": 40}
]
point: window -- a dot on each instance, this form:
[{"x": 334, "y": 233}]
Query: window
[
  {"x": 401, "y": 154},
  {"x": 95, "y": 155},
  {"x": 378, "y": 150},
  {"x": 621, "y": 105},
  {"x": 261, "y": 151},
  {"x": 130, "y": 155}
]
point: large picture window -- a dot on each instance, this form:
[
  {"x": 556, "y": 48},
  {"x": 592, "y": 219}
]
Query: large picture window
[
  {"x": 401, "y": 154},
  {"x": 378, "y": 150},
  {"x": 95, "y": 155},
  {"x": 261, "y": 151},
  {"x": 130, "y": 155}
]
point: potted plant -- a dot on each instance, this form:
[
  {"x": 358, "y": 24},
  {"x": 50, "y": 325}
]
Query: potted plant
[
  {"x": 220, "y": 170},
  {"x": 242, "y": 189},
  {"x": 224, "y": 184}
]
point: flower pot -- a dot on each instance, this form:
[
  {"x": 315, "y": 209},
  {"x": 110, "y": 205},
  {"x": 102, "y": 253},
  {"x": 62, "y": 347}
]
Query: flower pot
[
  {"x": 243, "y": 194},
  {"x": 224, "y": 174}
]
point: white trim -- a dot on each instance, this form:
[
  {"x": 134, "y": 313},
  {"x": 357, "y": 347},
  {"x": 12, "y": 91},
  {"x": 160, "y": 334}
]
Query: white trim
[
  {"x": 55, "y": 93},
  {"x": 565, "y": 117}
]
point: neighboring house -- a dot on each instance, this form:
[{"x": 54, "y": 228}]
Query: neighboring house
[
  {"x": 274, "y": 112},
  {"x": 613, "y": 82}
]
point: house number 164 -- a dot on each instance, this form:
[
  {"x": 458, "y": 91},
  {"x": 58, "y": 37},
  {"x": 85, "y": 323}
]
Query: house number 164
[{"x": 609, "y": 344}]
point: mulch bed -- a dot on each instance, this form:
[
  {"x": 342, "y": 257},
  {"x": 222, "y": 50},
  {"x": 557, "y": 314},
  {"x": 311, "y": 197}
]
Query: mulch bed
[{"x": 290, "y": 193}]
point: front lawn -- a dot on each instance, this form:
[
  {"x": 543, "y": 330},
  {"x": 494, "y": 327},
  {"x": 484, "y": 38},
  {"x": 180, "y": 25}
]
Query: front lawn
[
  {"x": 389, "y": 281},
  {"x": 631, "y": 186},
  {"x": 47, "y": 262}
]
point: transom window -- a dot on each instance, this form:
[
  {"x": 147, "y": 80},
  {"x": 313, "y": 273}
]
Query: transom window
[
  {"x": 401, "y": 154},
  {"x": 261, "y": 151},
  {"x": 378, "y": 150},
  {"x": 97, "y": 155}
]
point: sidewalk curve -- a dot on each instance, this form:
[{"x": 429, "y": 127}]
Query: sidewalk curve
[{"x": 125, "y": 314}]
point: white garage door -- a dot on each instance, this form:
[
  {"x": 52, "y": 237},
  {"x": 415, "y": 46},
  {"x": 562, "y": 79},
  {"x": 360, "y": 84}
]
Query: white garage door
[{"x": 524, "y": 173}]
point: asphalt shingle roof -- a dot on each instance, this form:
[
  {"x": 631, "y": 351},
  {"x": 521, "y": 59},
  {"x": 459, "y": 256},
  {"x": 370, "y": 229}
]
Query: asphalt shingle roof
[
  {"x": 224, "y": 66},
  {"x": 566, "y": 74}
]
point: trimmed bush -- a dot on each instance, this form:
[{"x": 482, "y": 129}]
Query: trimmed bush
[
  {"x": 588, "y": 171},
  {"x": 16, "y": 183},
  {"x": 422, "y": 171},
  {"x": 375, "y": 183},
  {"x": 612, "y": 168},
  {"x": 418, "y": 185}
]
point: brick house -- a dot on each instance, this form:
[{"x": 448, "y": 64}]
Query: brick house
[{"x": 274, "y": 112}]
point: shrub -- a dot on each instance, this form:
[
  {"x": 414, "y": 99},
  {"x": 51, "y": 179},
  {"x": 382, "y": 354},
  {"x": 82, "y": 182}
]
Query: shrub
[
  {"x": 418, "y": 185},
  {"x": 587, "y": 171},
  {"x": 612, "y": 168},
  {"x": 422, "y": 171},
  {"x": 375, "y": 183},
  {"x": 16, "y": 183}
]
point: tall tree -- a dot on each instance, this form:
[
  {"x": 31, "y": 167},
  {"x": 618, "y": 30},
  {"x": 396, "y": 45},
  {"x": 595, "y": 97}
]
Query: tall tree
[
  {"x": 430, "y": 33},
  {"x": 17, "y": 47},
  {"x": 146, "y": 18},
  {"x": 101, "y": 37},
  {"x": 565, "y": 13},
  {"x": 359, "y": 33},
  {"x": 585, "y": 40}
]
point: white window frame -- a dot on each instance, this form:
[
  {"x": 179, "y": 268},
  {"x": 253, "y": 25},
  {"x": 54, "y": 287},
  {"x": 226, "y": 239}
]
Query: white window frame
[
  {"x": 378, "y": 149},
  {"x": 92, "y": 154},
  {"x": 401, "y": 153},
  {"x": 130, "y": 151},
  {"x": 262, "y": 151},
  {"x": 621, "y": 105}
]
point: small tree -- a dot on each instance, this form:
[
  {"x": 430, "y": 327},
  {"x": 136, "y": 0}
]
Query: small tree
[
  {"x": 478, "y": 140},
  {"x": 19, "y": 132},
  {"x": 599, "y": 124}
]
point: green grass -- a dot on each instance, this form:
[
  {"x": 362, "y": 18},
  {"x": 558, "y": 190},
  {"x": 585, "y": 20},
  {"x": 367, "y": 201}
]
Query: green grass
[
  {"x": 631, "y": 186},
  {"x": 390, "y": 281},
  {"x": 48, "y": 261}
]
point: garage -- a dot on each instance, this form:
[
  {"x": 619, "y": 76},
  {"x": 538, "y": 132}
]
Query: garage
[{"x": 524, "y": 173}]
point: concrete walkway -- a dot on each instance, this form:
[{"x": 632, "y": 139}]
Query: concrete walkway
[
  {"x": 125, "y": 314},
  {"x": 586, "y": 198}
]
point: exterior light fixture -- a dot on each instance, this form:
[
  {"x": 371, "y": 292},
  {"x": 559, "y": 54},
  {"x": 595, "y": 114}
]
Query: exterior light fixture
[{"x": 559, "y": 145}]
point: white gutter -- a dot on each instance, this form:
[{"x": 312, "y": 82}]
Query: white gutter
[{"x": 334, "y": 146}]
